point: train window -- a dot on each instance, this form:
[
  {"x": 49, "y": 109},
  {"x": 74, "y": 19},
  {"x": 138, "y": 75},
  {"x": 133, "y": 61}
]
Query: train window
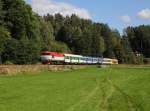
[
  {"x": 67, "y": 57},
  {"x": 83, "y": 59},
  {"x": 75, "y": 58}
]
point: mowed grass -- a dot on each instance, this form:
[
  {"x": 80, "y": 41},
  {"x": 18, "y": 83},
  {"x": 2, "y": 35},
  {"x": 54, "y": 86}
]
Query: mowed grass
[{"x": 90, "y": 89}]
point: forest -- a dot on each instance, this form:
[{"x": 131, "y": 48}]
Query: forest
[{"x": 24, "y": 35}]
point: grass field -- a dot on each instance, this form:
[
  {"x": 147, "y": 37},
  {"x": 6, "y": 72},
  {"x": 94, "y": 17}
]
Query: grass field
[{"x": 91, "y": 89}]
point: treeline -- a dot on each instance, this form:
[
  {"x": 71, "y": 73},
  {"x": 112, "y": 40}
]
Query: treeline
[
  {"x": 139, "y": 38},
  {"x": 24, "y": 34}
]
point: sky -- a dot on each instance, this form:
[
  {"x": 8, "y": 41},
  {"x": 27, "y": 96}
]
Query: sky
[{"x": 117, "y": 14}]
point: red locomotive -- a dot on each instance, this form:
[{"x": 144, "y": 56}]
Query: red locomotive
[{"x": 52, "y": 58}]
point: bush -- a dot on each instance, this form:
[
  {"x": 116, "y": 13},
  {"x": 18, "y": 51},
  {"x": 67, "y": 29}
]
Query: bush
[
  {"x": 8, "y": 63},
  {"x": 139, "y": 59},
  {"x": 146, "y": 60}
]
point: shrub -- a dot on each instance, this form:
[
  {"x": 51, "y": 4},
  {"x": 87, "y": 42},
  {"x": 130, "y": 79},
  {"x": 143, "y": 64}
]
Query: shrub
[
  {"x": 8, "y": 63},
  {"x": 146, "y": 60}
]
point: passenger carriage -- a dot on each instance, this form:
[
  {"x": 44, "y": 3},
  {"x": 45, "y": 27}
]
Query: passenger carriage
[
  {"x": 71, "y": 58},
  {"x": 89, "y": 60},
  {"x": 107, "y": 61}
]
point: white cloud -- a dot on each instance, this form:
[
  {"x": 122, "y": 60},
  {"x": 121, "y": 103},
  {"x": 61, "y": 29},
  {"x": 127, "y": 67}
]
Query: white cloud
[
  {"x": 43, "y": 7},
  {"x": 125, "y": 18},
  {"x": 144, "y": 14}
]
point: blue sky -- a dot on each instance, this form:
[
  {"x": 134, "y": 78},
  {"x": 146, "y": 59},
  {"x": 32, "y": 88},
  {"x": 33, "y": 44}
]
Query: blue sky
[{"x": 116, "y": 13}]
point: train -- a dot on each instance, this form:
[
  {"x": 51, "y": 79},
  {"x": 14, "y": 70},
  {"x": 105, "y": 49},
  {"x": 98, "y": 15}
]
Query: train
[{"x": 60, "y": 58}]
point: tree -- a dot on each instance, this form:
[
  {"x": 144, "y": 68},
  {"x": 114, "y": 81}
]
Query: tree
[
  {"x": 139, "y": 38},
  {"x": 21, "y": 51},
  {"x": 22, "y": 23},
  {"x": 4, "y": 37},
  {"x": 101, "y": 45},
  {"x": 1, "y": 13},
  {"x": 47, "y": 34}
]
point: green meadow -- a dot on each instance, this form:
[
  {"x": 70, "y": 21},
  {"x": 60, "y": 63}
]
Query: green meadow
[{"x": 90, "y": 89}]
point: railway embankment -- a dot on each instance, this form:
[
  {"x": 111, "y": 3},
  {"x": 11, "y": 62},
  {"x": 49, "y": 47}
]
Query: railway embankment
[{"x": 23, "y": 69}]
